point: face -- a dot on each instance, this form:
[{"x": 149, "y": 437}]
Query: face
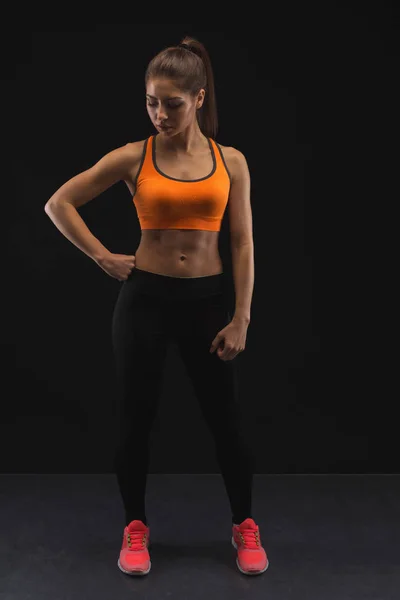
[{"x": 170, "y": 109}]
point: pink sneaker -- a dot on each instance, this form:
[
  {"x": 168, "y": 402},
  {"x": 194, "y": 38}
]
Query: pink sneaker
[
  {"x": 251, "y": 556},
  {"x": 134, "y": 558}
]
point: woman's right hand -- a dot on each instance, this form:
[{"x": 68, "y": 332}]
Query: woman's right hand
[{"x": 119, "y": 266}]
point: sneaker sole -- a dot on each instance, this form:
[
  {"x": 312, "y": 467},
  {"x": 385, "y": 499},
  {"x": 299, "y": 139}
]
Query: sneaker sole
[
  {"x": 248, "y": 572},
  {"x": 135, "y": 573}
]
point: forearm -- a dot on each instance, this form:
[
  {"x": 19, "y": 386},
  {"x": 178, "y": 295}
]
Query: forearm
[
  {"x": 243, "y": 275},
  {"x": 67, "y": 220}
]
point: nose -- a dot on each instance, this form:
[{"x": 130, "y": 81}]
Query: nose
[{"x": 162, "y": 115}]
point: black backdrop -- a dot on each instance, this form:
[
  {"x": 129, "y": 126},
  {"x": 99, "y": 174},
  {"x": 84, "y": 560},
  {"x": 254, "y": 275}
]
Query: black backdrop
[{"x": 309, "y": 96}]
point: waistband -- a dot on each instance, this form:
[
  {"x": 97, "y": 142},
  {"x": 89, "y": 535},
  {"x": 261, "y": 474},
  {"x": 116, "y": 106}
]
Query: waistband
[{"x": 157, "y": 284}]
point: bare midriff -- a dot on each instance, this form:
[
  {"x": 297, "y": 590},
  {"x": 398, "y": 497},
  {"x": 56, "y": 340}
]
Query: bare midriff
[{"x": 179, "y": 252}]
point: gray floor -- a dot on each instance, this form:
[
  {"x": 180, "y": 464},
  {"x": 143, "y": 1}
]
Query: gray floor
[{"x": 333, "y": 537}]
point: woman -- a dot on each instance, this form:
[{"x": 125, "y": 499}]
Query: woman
[{"x": 181, "y": 181}]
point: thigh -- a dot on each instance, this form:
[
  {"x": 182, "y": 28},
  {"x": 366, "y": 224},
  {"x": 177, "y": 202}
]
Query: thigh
[
  {"x": 214, "y": 380},
  {"x": 140, "y": 338}
]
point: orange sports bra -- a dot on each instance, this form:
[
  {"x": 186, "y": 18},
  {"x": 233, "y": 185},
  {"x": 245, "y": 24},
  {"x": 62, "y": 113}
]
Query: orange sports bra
[{"x": 164, "y": 202}]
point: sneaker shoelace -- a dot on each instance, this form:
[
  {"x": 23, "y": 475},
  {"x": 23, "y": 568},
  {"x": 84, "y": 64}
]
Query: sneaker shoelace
[
  {"x": 136, "y": 540},
  {"x": 250, "y": 538}
]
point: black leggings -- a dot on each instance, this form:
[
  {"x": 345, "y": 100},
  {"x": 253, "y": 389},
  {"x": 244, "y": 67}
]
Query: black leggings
[{"x": 151, "y": 311}]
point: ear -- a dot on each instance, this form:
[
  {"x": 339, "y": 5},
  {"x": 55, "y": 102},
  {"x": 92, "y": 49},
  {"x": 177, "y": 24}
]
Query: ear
[{"x": 200, "y": 98}]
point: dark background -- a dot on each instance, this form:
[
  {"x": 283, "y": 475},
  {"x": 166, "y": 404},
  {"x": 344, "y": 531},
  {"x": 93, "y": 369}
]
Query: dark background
[{"x": 309, "y": 95}]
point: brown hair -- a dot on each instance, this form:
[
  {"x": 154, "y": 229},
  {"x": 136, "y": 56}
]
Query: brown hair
[{"x": 191, "y": 68}]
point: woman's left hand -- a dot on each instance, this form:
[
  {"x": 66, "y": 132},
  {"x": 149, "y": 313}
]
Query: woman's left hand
[{"x": 230, "y": 340}]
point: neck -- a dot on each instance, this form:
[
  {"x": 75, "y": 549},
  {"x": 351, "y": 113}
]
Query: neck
[{"x": 189, "y": 141}]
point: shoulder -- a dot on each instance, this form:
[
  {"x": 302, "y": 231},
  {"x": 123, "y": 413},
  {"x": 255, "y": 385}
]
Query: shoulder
[
  {"x": 135, "y": 149},
  {"x": 134, "y": 152},
  {"x": 234, "y": 159},
  {"x": 123, "y": 157}
]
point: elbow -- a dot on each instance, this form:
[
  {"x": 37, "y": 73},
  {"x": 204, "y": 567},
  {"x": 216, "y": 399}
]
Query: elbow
[
  {"x": 52, "y": 204},
  {"x": 49, "y": 207},
  {"x": 241, "y": 242}
]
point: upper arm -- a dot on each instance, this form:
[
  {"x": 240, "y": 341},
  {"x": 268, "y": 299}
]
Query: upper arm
[
  {"x": 239, "y": 207},
  {"x": 111, "y": 168}
]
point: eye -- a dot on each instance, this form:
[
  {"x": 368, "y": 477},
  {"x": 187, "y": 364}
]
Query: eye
[{"x": 170, "y": 106}]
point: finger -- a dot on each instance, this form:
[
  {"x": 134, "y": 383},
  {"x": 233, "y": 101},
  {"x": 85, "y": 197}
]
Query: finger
[
  {"x": 230, "y": 355},
  {"x": 214, "y": 344},
  {"x": 224, "y": 354},
  {"x": 221, "y": 356}
]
